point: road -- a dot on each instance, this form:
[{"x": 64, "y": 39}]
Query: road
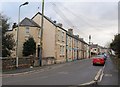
[
  {"x": 72, "y": 73},
  {"x": 110, "y": 74}
]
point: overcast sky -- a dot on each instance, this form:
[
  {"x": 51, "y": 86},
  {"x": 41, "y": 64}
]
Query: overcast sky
[{"x": 97, "y": 18}]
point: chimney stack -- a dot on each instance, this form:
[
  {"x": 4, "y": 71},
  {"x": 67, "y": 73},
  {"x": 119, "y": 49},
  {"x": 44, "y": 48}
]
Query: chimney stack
[
  {"x": 82, "y": 39},
  {"x": 14, "y": 25},
  {"x": 70, "y": 31},
  {"x": 77, "y": 36},
  {"x": 60, "y": 25},
  {"x": 55, "y": 22}
]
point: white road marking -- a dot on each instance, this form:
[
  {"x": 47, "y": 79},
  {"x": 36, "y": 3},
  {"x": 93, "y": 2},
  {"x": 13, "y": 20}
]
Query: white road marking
[
  {"x": 97, "y": 78},
  {"x": 108, "y": 75},
  {"x": 98, "y": 75},
  {"x": 88, "y": 83},
  {"x": 101, "y": 77}
]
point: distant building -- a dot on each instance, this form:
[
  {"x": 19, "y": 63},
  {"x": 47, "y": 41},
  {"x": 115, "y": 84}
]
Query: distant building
[{"x": 97, "y": 49}]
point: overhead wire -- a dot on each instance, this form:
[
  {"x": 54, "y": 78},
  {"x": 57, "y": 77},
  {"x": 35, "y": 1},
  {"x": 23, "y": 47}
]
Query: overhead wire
[{"x": 64, "y": 17}]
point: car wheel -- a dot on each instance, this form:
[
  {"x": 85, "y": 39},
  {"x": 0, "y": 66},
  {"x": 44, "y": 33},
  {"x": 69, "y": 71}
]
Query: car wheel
[{"x": 93, "y": 64}]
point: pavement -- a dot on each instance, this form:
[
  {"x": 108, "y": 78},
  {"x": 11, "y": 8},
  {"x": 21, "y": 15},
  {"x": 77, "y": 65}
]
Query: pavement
[
  {"x": 30, "y": 70},
  {"x": 35, "y": 68}
]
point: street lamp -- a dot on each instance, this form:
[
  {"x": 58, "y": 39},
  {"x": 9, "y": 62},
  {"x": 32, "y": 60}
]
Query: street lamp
[
  {"x": 89, "y": 46},
  {"x": 18, "y": 33}
]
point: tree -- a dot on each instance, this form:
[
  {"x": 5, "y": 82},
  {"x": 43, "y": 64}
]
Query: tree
[
  {"x": 115, "y": 45},
  {"x": 8, "y": 42},
  {"x": 29, "y": 47}
]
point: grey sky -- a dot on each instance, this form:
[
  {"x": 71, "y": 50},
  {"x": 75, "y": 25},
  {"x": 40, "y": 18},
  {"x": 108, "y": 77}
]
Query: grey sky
[{"x": 96, "y": 18}]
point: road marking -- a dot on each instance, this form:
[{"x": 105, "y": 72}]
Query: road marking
[
  {"x": 102, "y": 74},
  {"x": 97, "y": 78},
  {"x": 88, "y": 83},
  {"x": 101, "y": 77},
  {"x": 108, "y": 75},
  {"x": 98, "y": 75}
]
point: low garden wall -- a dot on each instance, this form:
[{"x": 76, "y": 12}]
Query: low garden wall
[{"x": 24, "y": 62}]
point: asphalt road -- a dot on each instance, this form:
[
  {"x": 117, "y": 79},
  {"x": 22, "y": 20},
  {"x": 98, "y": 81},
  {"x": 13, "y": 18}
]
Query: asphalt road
[{"x": 72, "y": 73}]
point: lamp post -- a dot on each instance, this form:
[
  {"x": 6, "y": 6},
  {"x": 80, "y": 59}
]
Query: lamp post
[
  {"x": 89, "y": 46},
  {"x": 18, "y": 33}
]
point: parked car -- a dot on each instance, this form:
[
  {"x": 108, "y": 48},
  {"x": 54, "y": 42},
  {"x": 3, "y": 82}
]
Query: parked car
[
  {"x": 103, "y": 55},
  {"x": 98, "y": 60}
]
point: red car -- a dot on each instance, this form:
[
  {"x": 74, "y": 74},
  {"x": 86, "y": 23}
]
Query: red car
[{"x": 98, "y": 60}]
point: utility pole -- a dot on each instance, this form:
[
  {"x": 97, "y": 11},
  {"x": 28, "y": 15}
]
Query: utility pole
[
  {"x": 41, "y": 40},
  {"x": 89, "y": 45}
]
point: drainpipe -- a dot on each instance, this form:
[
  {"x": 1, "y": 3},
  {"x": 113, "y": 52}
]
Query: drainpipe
[
  {"x": 66, "y": 48},
  {"x": 89, "y": 46}
]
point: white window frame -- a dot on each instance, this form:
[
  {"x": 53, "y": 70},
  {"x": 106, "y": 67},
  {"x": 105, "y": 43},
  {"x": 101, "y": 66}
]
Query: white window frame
[
  {"x": 58, "y": 35},
  {"x": 62, "y": 50},
  {"x": 27, "y": 31},
  {"x": 62, "y": 36}
]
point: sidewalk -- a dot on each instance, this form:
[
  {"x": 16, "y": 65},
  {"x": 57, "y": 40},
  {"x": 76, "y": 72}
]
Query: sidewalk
[{"x": 30, "y": 70}]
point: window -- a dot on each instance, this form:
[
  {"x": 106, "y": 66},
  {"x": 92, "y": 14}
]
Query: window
[
  {"x": 62, "y": 50},
  {"x": 70, "y": 52},
  {"x": 70, "y": 42},
  {"x": 27, "y": 30},
  {"x": 62, "y": 36},
  {"x": 39, "y": 33},
  {"x": 58, "y": 33},
  {"x": 94, "y": 49}
]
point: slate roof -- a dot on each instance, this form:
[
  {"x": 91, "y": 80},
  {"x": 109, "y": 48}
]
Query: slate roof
[
  {"x": 48, "y": 20},
  {"x": 28, "y": 22}
]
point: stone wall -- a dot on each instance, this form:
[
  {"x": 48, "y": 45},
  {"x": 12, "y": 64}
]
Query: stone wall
[
  {"x": 25, "y": 62},
  {"x": 48, "y": 61}
]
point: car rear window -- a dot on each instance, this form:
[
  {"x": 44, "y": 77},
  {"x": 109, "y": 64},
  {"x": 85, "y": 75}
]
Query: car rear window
[{"x": 100, "y": 55}]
